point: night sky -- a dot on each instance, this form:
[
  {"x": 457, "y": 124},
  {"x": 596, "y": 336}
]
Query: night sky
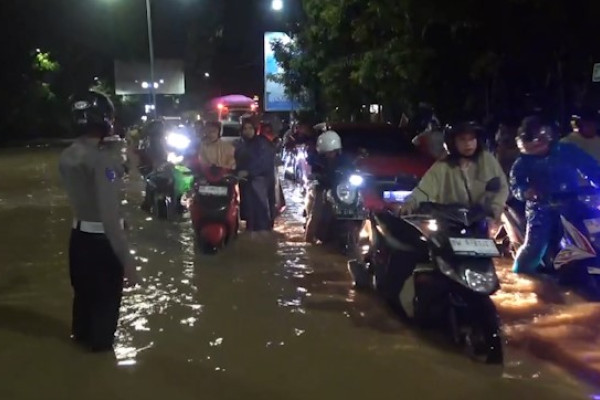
[{"x": 117, "y": 29}]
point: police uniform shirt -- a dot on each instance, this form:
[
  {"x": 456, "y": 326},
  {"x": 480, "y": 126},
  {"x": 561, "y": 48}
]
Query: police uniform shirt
[{"x": 89, "y": 174}]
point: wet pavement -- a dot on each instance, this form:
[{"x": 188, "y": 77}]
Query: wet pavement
[{"x": 268, "y": 319}]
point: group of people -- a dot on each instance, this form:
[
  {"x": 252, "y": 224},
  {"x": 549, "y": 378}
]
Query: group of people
[
  {"x": 538, "y": 165},
  {"x": 252, "y": 158},
  {"x": 100, "y": 259}
]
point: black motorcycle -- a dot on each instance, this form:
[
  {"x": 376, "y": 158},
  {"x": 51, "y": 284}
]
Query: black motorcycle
[
  {"x": 436, "y": 267},
  {"x": 343, "y": 210}
]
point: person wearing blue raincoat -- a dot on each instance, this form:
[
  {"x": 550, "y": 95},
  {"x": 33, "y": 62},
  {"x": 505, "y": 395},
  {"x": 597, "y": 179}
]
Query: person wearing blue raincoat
[
  {"x": 545, "y": 168},
  {"x": 255, "y": 160}
]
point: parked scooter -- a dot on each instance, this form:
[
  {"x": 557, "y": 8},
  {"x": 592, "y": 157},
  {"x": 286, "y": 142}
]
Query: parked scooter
[
  {"x": 214, "y": 207},
  {"x": 573, "y": 254},
  {"x": 436, "y": 267}
]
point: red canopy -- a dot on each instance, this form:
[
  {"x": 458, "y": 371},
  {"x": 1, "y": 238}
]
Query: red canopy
[{"x": 232, "y": 100}]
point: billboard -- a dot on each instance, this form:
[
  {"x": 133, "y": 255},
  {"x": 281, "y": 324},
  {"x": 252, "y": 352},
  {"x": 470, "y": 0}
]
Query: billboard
[
  {"x": 134, "y": 77},
  {"x": 275, "y": 97}
]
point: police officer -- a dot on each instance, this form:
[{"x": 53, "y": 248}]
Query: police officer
[{"x": 99, "y": 256}]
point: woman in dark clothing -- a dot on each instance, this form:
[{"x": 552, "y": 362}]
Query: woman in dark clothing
[{"x": 255, "y": 160}]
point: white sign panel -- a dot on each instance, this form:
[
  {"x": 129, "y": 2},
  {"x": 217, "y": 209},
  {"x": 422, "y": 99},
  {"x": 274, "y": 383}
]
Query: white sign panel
[
  {"x": 134, "y": 77},
  {"x": 275, "y": 97}
]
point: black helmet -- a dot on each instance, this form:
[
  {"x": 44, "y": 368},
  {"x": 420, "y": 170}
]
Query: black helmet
[
  {"x": 451, "y": 131},
  {"x": 533, "y": 129},
  {"x": 93, "y": 110}
]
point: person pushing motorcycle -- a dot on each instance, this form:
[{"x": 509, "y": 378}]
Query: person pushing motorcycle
[
  {"x": 544, "y": 169},
  {"x": 213, "y": 150},
  {"x": 462, "y": 176},
  {"x": 328, "y": 160}
]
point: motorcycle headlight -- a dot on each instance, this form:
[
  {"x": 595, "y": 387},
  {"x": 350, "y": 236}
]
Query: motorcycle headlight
[
  {"x": 356, "y": 180},
  {"x": 481, "y": 282},
  {"x": 174, "y": 158},
  {"x": 178, "y": 141},
  {"x": 346, "y": 193}
]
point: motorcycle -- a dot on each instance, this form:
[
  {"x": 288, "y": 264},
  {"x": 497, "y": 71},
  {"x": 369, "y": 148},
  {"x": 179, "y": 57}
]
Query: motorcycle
[
  {"x": 436, "y": 268},
  {"x": 166, "y": 186},
  {"x": 343, "y": 211},
  {"x": 573, "y": 256},
  {"x": 214, "y": 207},
  {"x": 295, "y": 165}
]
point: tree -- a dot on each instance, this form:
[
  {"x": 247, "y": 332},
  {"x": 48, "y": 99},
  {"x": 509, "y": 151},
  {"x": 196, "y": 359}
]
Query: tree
[{"x": 466, "y": 59}]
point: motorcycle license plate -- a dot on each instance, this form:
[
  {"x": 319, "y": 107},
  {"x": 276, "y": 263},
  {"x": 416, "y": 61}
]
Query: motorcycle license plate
[
  {"x": 474, "y": 247},
  {"x": 592, "y": 225},
  {"x": 212, "y": 190},
  {"x": 396, "y": 196}
]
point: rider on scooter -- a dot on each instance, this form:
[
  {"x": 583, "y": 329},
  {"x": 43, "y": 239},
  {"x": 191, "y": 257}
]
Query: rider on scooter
[
  {"x": 213, "y": 150},
  {"x": 323, "y": 168},
  {"x": 545, "y": 168},
  {"x": 461, "y": 177}
]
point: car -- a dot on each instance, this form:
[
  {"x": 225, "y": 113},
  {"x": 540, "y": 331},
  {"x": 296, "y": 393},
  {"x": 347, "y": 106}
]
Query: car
[{"x": 385, "y": 152}]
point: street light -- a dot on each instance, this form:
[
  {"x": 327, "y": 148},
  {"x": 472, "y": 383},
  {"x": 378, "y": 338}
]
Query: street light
[
  {"x": 146, "y": 85},
  {"x": 277, "y": 5},
  {"x": 151, "y": 51}
]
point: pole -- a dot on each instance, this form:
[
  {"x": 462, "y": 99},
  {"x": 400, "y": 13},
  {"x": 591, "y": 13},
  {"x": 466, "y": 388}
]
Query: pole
[{"x": 151, "y": 53}]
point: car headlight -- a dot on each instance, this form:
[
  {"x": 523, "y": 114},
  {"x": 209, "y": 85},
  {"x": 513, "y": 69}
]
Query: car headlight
[
  {"x": 178, "y": 141},
  {"x": 356, "y": 180},
  {"x": 174, "y": 158},
  {"x": 481, "y": 282},
  {"x": 346, "y": 193}
]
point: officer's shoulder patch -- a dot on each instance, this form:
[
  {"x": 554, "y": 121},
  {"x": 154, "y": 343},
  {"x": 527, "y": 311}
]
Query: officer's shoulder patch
[{"x": 111, "y": 174}]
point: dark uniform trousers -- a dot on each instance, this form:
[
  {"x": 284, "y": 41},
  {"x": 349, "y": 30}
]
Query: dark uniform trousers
[{"x": 97, "y": 281}]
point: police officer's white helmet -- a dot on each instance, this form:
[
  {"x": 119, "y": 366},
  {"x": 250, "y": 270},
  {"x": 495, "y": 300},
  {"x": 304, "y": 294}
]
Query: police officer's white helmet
[{"x": 329, "y": 141}]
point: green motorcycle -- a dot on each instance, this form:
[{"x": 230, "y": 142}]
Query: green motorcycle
[{"x": 165, "y": 188}]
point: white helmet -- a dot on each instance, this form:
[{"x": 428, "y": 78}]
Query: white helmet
[{"x": 329, "y": 141}]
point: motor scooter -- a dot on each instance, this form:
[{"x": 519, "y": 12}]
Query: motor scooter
[
  {"x": 436, "y": 268},
  {"x": 214, "y": 207}
]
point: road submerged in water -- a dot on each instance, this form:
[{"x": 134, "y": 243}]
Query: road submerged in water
[{"x": 269, "y": 319}]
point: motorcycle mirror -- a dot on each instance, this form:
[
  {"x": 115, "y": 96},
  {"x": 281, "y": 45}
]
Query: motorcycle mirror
[{"x": 493, "y": 185}]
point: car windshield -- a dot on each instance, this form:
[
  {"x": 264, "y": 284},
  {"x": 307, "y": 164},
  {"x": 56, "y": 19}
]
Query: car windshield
[
  {"x": 231, "y": 131},
  {"x": 377, "y": 140}
]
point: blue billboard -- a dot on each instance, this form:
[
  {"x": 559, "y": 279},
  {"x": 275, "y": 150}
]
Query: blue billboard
[{"x": 275, "y": 97}]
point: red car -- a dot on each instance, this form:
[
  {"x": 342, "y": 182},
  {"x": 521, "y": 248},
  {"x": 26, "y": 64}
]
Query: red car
[{"x": 387, "y": 154}]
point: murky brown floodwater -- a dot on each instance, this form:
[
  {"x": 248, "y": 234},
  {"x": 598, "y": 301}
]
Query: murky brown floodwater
[{"x": 268, "y": 320}]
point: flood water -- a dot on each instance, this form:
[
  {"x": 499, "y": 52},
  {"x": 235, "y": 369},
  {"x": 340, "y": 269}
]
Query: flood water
[{"x": 273, "y": 319}]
